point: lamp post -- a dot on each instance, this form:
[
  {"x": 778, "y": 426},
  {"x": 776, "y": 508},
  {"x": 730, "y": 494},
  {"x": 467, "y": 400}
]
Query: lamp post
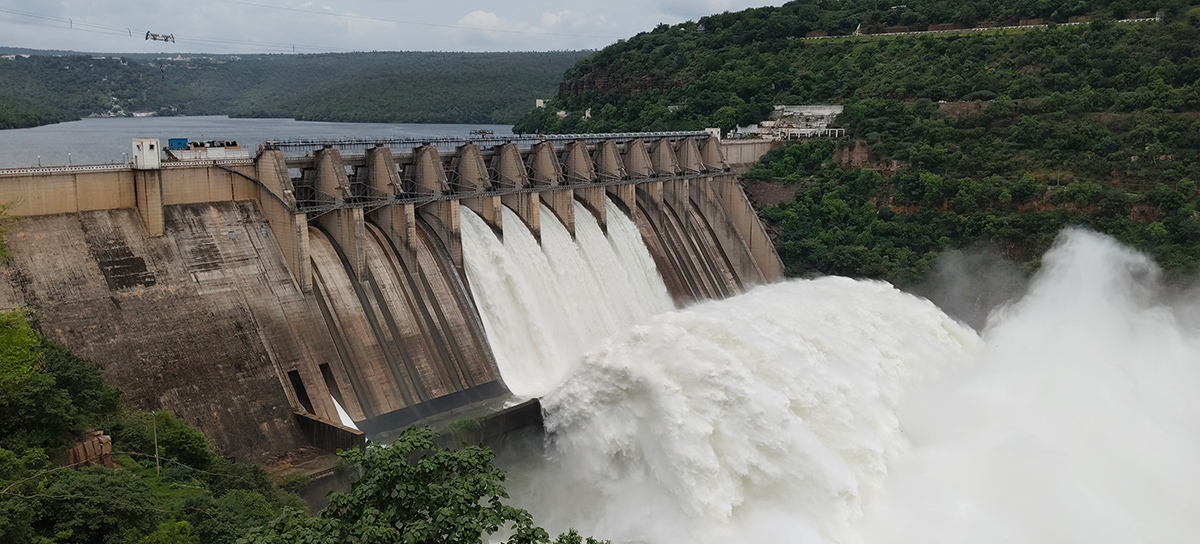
[
  {"x": 39, "y": 161},
  {"x": 68, "y": 159}
]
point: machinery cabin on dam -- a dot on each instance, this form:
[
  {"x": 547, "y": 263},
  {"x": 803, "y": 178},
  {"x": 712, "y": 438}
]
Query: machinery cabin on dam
[{"x": 248, "y": 294}]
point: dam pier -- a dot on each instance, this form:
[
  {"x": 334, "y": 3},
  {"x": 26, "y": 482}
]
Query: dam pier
[{"x": 258, "y": 297}]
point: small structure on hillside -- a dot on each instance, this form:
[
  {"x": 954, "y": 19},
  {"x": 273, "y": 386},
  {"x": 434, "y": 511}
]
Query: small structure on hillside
[
  {"x": 794, "y": 122},
  {"x": 93, "y": 449}
]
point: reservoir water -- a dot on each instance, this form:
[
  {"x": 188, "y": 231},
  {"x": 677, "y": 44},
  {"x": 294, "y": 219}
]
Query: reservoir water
[{"x": 105, "y": 140}]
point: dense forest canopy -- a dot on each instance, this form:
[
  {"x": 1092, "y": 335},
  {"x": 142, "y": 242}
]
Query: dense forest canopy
[
  {"x": 1000, "y": 137},
  {"x": 363, "y": 87},
  {"x": 730, "y": 69}
]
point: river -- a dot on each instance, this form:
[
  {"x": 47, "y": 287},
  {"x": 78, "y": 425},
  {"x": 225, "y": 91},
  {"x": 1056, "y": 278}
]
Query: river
[{"x": 107, "y": 140}]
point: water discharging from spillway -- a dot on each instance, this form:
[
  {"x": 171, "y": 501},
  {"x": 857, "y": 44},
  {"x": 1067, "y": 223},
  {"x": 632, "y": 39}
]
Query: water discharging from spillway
[
  {"x": 544, "y": 305},
  {"x": 835, "y": 410}
]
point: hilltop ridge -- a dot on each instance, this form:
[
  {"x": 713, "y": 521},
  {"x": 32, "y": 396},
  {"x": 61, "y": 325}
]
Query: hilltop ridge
[{"x": 409, "y": 87}]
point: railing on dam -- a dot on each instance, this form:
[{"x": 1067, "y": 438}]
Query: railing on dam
[{"x": 305, "y": 145}]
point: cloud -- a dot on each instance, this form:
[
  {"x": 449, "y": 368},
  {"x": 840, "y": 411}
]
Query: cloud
[
  {"x": 547, "y": 29},
  {"x": 694, "y": 9},
  {"x": 527, "y": 25},
  {"x": 551, "y": 19}
]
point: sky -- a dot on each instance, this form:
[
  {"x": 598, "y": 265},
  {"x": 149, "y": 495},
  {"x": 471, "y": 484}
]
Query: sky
[{"x": 275, "y": 26}]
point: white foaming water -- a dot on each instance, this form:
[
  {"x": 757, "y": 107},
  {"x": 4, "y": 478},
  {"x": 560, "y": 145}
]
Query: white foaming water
[
  {"x": 342, "y": 415},
  {"x": 835, "y": 410},
  {"x": 1079, "y": 421},
  {"x": 544, "y": 305}
]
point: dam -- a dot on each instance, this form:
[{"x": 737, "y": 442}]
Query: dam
[{"x": 267, "y": 300}]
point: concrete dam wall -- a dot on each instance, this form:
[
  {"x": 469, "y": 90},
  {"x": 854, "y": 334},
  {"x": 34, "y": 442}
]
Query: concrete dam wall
[{"x": 247, "y": 296}]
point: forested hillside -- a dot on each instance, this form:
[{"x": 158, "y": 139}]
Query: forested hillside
[
  {"x": 371, "y": 87},
  {"x": 169, "y": 485},
  {"x": 999, "y": 137},
  {"x": 49, "y": 398}
]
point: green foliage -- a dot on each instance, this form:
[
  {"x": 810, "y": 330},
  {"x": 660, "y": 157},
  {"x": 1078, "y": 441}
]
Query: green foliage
[
  {"x": 857, "y": 223},
  {"x": 135, "y": 431},
  {"x": 413, "y": 492},
  {"x": 793, "y": 161},
  {"x": 17, "y": 113},
  {"x": 731, "y": 68},
  {"x": 97, "y": 505},
  {"x": 407, "y": 87},
  {"x": 179, "y": 532},
  {"x": 48, "y": 397},
  {"x": 46, "y": 393}
]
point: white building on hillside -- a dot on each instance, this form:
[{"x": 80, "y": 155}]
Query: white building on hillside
[{"x": 793, "y": 122}]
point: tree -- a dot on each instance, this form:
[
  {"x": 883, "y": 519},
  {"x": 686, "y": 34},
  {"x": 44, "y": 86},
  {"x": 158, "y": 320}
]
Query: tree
[
  {"x": 48, "y": 396},
  {"x": 414, "y": 492}
]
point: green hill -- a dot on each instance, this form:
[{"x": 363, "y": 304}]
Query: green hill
[
  {"x": 366, "y": 87},
  {"x": 1002, "y": 136}
]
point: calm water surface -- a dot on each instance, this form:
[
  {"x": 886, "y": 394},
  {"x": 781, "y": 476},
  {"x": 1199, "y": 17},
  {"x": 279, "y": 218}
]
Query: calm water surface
[{"x": 100, "y": 141}]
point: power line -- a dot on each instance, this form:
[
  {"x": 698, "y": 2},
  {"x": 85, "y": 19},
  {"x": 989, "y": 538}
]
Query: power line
[
  {"x": 417, "y": 23},
  {"x": 83, "y": 26}
]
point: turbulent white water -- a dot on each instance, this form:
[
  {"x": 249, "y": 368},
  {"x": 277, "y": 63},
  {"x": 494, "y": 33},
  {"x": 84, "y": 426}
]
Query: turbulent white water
[
  {"x": 835, "y": 410},
  {"x": 544, "y": 305},
  {"x": 342, "y": 415},
  {"x": 1078, "y": 422}
]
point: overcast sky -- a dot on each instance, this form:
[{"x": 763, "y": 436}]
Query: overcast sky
[{"x": 263, "y": 26}]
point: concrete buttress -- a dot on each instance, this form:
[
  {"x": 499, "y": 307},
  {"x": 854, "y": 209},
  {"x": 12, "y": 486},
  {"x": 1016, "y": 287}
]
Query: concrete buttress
[
  {"x": 637, "y": 160},
  {"x": 344, "y": 225},
  {"x": 471, "y": 176},
  {"x": 398, "y": 220},
  {"x": 713, "y": 155},
  {"x": 277, "y": 200},
  {"x": 688, "y": 155},
  {"x": 662, "y": 157},
  {"x": 547, "y": 172},
  {"x": 607, "y": 159},
  {"x": 442, "y": 215},
  {"x": 512, "y": 173},
  {"x": 577, "y": 163},
  {"x": 579, "y": 169}
]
